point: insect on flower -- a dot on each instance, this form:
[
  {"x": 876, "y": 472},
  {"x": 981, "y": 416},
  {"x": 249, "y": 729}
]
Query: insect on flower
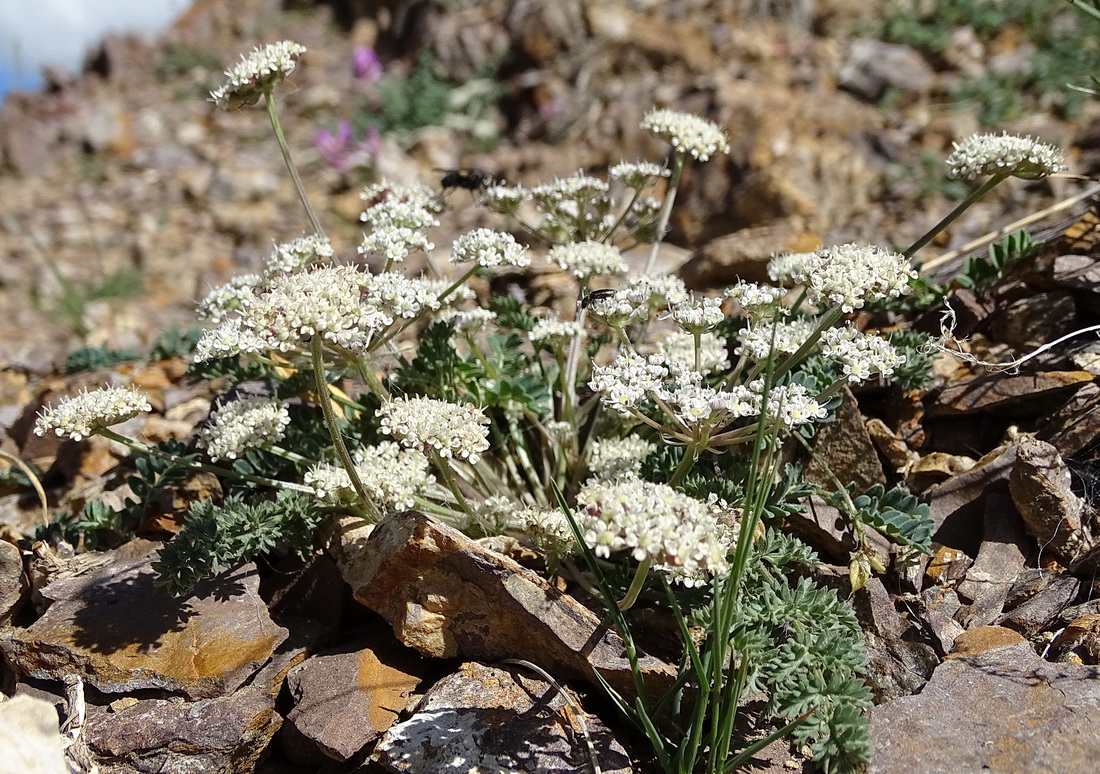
[
  {"x": 595, "y": 295},
  {"x": 470, "y": 179}
]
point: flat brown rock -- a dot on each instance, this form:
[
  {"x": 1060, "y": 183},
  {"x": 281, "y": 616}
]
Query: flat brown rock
[
  {"x": 448, "y": 597},
  {"x": 120, "y": 632},
  {"x": 345, "y": 700}
]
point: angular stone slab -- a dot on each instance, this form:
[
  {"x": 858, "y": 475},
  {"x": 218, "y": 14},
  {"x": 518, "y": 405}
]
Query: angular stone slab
[
  {"x": 448, "y": 597},
  {"x": 999, "y": 711},
  {"x": 345, "y": 700},
  {"x": 1025, "y": 395},
  {"x": 119, "y": 632},
  {"x": 486, "y": 719}
]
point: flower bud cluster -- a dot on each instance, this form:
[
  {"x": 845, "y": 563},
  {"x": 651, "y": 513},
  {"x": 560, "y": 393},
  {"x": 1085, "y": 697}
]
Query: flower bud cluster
[
  {"x": 687, "y": 133},
  {"x": 697, "y": 316},
  {"x": 588, "y": 259},
  {"x": 393, "y": 478},
  {"x": 555, "y": 333},
  {"x": 851, "y": 275},
  {"x": 860, "y": 356},
  {"x": 248, "y": 423},
  {"x": 615, "y": 458},
  {"x": 488, "y": 248},
  {"x": 637, "y": 175},
  {"x": 86, "y": 413},
  {"x": 651, "y": 521},
  {"x": 446, "y": 428},
  {"x": 679, "y": 347},
  {"x": 786, "y": 336},
  {"x": 257, "y": 74},
  {"x": 1004, "y": 154}
]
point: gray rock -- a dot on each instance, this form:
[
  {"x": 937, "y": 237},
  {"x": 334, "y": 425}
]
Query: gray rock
[
  {"x": 845, "y": 447},
  {"x": 116, "y": 629},
  {"x": 13, "y": 582},
  {"x": 1032, "y": 616},
  {"x": 29, "y": 738},
  {"x": 1003, "y": 710},
  {"x": 1052, "y": 513},
  {"x": 1000, "y": 559},
  {"x": 895, "y": 666},
  {"x": 872, "y": 67},
  {"x": 486, "y": 718}
]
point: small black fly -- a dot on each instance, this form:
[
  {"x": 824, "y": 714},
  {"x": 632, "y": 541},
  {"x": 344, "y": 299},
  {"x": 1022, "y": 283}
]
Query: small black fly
[
  {"x": 470, "y": 179},
  {"x": 596, "y": 295}
]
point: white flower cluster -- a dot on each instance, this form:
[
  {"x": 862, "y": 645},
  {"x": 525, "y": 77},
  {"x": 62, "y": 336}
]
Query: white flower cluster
[
  {"x": 486, "y": 248},
  {"x": 256, "y": 74},
  {"x": 555, "y": 333},
  {"x": 651, "y": 521},
  {"x": 470, "y": 320},
  {"x": 394, "y": 243},
  {"x": 687, "y": 133},
  {"x": 679, "y": 347},
  {"x": 626, "y": 382},
  {"x": 697, "y": 316},
  {"x": 578, "y": 187},
  {"x": 637, "y": 174},
  {"x": 587, "y": 259},
  {"x": 296, "y": 255},
  {"x": 546, "y": 529},
  {"x": 618, "y": 309},
  {"x": 756, "y": 299},
  {"x": 615, "y": 458},
  {"x": 657, "y": 290},
  {"x": 861, "y": 356},
  {"x": 783, "y": 267},
  {"x": 84, "y": 414},
  {"x": 504, "y": 199},
  {"x": 393, "y": 477},
  {"x": 228, "y": 298},
  {"x": 406, "y": 297},
  {"x": 791, "y": 404},
  {"x": 851, "y": 275},
  {"x": 697, "y": 406},
  {"x": 248, "y": 423},
  {"x": 1006, "y": 155},
  {"x": 785, "y": 336},
  {"x": 425, "y": 423},
  {"x": 334, "y": 302},
  {"x": 398, "y": 216}
]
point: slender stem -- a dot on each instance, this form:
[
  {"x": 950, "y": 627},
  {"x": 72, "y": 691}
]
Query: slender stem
[
  {"x": 445, "y": 470},
  {"x": 666, "y": 208},
  {"x": 315, "y": 224},
  {"x": 152, "y": 451},
  {"x": 572, "y": 363},
  {"x": 964, "y": 205},
  {"x": 334, "y": 428},
  {"x": 636, "y": 584}
]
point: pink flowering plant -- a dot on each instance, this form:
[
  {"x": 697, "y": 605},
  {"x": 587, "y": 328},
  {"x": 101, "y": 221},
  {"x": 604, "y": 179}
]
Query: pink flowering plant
[{"x": 643, "y": 442}]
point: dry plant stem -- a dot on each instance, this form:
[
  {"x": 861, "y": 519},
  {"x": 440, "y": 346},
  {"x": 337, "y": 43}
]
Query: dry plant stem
[
  {"x": 666, "y": 208},
  {"x": 34, "y": 482},
  {"x": 569, "y": 386},
  {"x": 334, "y": 428},
  {"x": 964, "y": 205},
  {"x": 1015, "y": 225},
  {"x": 314, "y": 223},
  {"x": 578, "y": 712},
  {"x": 193, "y": 465}
]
